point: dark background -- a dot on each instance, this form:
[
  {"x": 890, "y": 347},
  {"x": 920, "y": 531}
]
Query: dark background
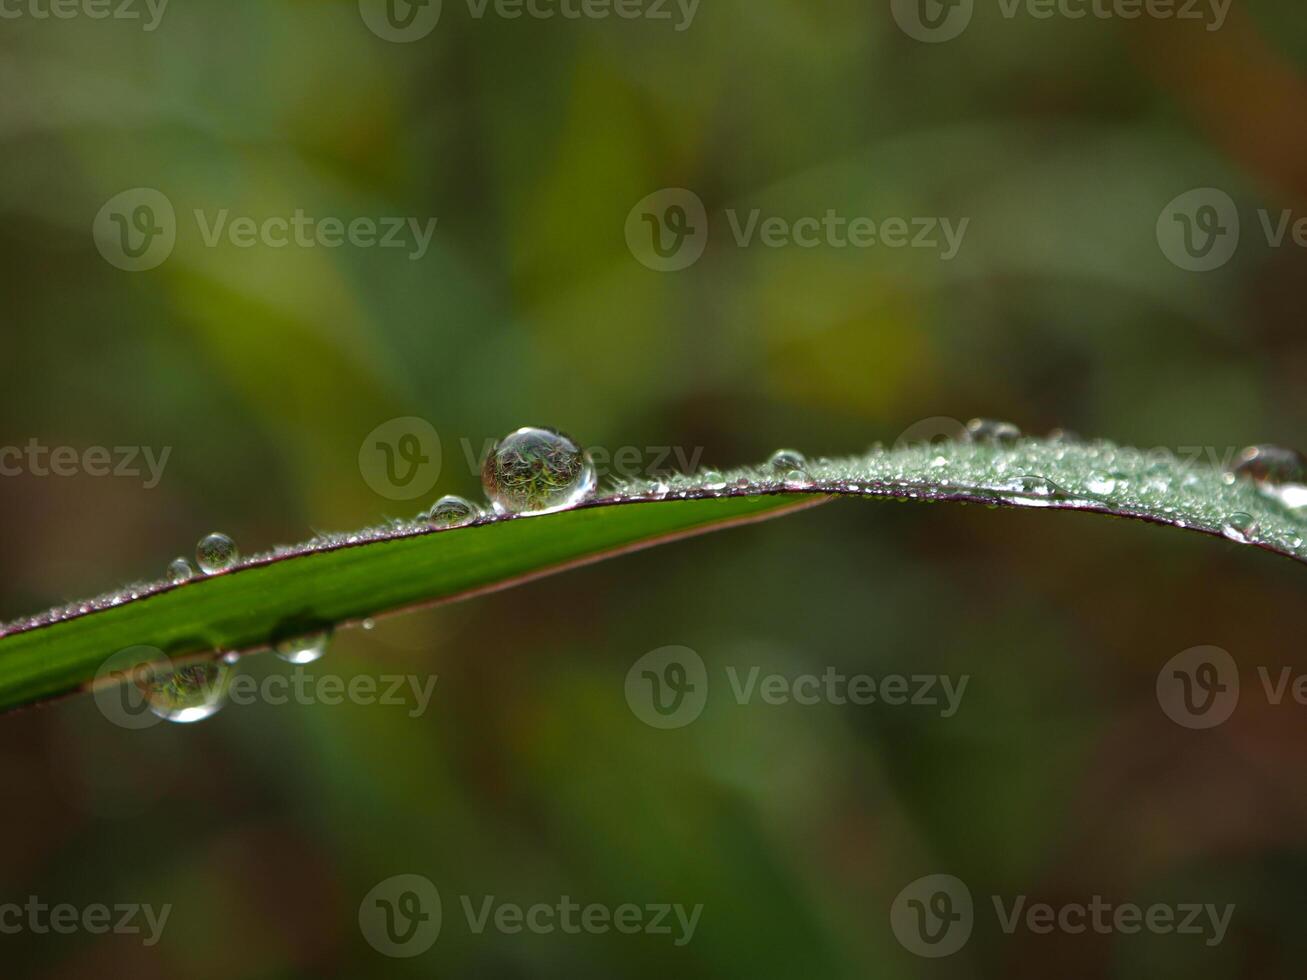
[{"x": 529, "y": 777}]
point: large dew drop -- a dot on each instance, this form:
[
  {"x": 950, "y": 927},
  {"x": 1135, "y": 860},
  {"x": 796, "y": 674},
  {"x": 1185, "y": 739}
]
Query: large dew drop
[
  {"x": 190, "y": 693},
  {"x": 216, "y": 553},
  {"x": 785, "y": 461},
  {"x": 452, "y": 512},
  {"x": 304, "y": 649},
  {"x": 1279, "y": 473},
  {"x": 537, "y": 471}
]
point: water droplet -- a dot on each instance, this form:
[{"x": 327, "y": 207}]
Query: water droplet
[
  {"x": 1066, "y": 437},
  {"x": 787, "y": 461},
  {"x": 369, "y": 624},
  {"x": 1279, "y": 473},
  {"x": 1240, "y": 527},
  {"x": 303, "y": 649},
  {"x": 1102, "y": 484},
  {"x": 179, "y": 571},
  {"x": 216, "y": 553},
  {"x": 452, "y": 512},
  {"x": 190, "y": 693},
  {"x": 712, "y": 480},
  {"x": 537, "y": 471},
  {"x": 992, "y": 431}
]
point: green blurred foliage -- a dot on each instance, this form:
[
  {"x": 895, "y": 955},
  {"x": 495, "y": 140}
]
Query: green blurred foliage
[{"x": 529, "y": 777}]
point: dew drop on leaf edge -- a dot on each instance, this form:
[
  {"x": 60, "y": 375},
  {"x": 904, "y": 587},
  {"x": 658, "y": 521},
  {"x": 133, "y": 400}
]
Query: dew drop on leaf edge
[
  {"x": 537, "y": 471},
  {"x": 216, "y": 553}
]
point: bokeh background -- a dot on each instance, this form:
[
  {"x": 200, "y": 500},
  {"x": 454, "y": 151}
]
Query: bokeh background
[{"x": 1063, "y": 141}]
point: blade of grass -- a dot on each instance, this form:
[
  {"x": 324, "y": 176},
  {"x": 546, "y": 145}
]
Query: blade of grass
[{"x": 340, "y": 580}]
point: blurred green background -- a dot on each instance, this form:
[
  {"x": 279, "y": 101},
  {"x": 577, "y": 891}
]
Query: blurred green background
[{"x": 528, "y": 777}]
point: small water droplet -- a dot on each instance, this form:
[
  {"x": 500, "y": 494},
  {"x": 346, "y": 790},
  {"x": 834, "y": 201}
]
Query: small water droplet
[
  {"x": 303, "y": 649},
  {"x": 1279, "y": 473},
  {"x": 537, "y": 471},
  {"x": 179, "y": 571},
  {"x": 188, "y": 694},
  {"x": 993, "y": 431},
  {"x": 1066, "y": 437},
  {"x": 712, "y": 480},
  {"x": 1102, "y": 484},
  {"x": 787, "y": 461},
  {"x": 1240, "y": 527},
  {"x": 452, "y": 512},
  {"x": 216, "y": 553},
  {"x": 369, "y": 624}
]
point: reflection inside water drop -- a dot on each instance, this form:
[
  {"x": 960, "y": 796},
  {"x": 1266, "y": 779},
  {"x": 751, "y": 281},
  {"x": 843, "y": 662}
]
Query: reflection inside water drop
[
  {"x": 188, "y": 694},
  {"x": 216, "y": 553},
  {"x": 452, "y": 512},
  {"x": 303, "y": 649},
  {"x": 537, "y": 471}
]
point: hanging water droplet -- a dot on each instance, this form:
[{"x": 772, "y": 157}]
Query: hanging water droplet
[
  {"x": 216, "y": 553},
  {"x": 188, "y": 694},
  {"x": 1240, "y": 527},
  {"x": 452, "y": 512},
  {"x": 787, "y": 461},
  {"x": 537, "y": 471},
  {"x": 179, "y": 571},
  {"x": 1279, "y": 473},
  {"x": 303, "y": 649},
  {"x": 992, "y": 431}
]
